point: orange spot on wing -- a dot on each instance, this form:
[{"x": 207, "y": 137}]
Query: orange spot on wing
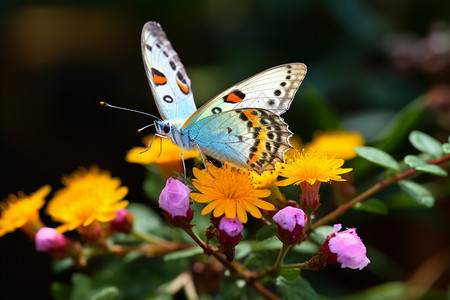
[
  {"x": 250, "y": 114},
  {"x": 234, "y": 98},
  {"x": 183, "y": 87},
  {"x": 159, "y": 79}
]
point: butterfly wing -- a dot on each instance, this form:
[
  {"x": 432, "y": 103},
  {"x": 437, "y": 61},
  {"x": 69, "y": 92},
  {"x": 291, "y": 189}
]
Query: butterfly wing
[
  {"x": 272, "y": 90},
  {"x": 253, "y": 139},
  {"x": 169, "y": 83}
]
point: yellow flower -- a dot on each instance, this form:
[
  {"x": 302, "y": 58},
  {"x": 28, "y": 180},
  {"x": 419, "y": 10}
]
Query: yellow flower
[
  {"x": 309, "y": 169},
  {"x": 230, "y": 192},
  {"x": 339, "y": 144},
  {"x": 263, "y": 180},
  {"x": 311, "y": 166},
  {"x": 166, "y": 155},
  {"x": 22, "y": 212},
  {"x": 267, "y": 180},
  {"x": 88, "y": 196}
]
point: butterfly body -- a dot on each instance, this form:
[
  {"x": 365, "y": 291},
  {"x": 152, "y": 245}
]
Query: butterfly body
[{"x": 241, "y": 125}]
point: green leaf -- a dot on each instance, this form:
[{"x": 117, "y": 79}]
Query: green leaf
[
  {"x": 446, "y": 148},
  {"x": 420, "y": 165},
  {"x": 417, "y": 192},
  {"x": 378, "y": 157},
  {"x": 295, "y": 289},
  {"x": 373, "y": 206},
  {"x": 320, "y": 234},
  {"x": 425, "y": 143},
  {"x": 146, "y": 219},
  {"x": 183, "y": 253},
  {"x": 290, "y": 274},
  {"x": 266, "y": 232},
  {"x": 109, "y": 293}
]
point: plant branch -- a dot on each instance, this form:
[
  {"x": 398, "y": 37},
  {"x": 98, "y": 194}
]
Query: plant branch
[{"x": 374, "y": 189}]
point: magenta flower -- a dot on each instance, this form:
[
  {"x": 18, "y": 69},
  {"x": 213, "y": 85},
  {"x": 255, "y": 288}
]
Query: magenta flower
[
  {"x": 123, "y": 222},
  {"x": 345, "y": 248},
  {"x": 291, "y": 222},
  {"x": 229, "y": 232},
  {"x": 174, "y": 200},
  {"x": 50, "y": 241}
]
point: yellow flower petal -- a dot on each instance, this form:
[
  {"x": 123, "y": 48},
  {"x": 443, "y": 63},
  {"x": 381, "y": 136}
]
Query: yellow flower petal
[
  {"x": 22, "y": 211},
  {"x": 230, "y": 191},
  {"x": 88, "y": 196},
  {"x": 311, "y": 166}
]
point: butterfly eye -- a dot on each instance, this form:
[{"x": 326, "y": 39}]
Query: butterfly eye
[{"x": 166, "y": 128}]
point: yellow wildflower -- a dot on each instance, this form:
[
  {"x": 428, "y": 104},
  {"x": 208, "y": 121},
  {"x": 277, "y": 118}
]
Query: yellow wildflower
[
  {"x": 163, "y": 153},
  {"x": 22, "y": 212},
  {"x": 311, "y": 166},
  {"x": 338, "y": 144},
  {"x": 88, "y": 196},
  {"x": 230, "y": 192},
  {"x": 308, "y": 169}
]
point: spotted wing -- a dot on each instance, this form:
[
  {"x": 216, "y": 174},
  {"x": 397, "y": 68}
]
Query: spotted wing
[
  {"x": 272, "y": 90},
  {"x": 169, "y": 83},
  {"x": 253, "y": 139}
]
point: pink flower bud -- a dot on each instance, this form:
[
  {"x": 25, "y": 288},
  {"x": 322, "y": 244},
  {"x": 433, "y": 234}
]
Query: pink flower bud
[
  {"x": 291, "y": 222},
  {"x": 229, "y": 232},
  {"x": 229, "y": 235},
  {"x": 174, "y": 200},
  {"x": 346, "y": 248},
  {"x": 50, "y": 241},
  {"x": 123, "y": 221}
]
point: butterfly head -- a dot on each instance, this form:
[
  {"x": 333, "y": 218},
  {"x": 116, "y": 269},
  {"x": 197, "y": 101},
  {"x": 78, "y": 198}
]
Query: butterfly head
[{"x": 163, "y": 128}]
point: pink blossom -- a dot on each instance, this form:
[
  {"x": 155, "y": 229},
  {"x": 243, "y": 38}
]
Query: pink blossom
[
  {"x": 123, "y": 221},
  {"x": 346, "y": 248},
  {"x": 229, "y": 235},
  {"x": 174, "y": 200},
  {"x": 50, "y": 241},
  {"x": 231, "y": 227},
  {"x": 291, "y": 222}
]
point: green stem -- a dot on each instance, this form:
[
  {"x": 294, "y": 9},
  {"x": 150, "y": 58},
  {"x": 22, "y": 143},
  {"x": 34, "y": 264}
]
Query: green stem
[
  {"x": 151, "y": 239},
  {"x": 296, "y": 266},
  {"x": 281, "y": 255}
]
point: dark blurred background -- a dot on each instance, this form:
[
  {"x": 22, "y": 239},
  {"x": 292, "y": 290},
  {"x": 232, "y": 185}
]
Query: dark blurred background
[{"x": 366, "y": 61}]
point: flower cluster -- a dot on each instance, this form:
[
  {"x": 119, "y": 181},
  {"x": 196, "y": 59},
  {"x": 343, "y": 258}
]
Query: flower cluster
[
  {"x": 90, "y": 202},
  {"x": 93, "y": 203}
]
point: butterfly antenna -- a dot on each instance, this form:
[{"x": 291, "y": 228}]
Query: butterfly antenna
[
  {"x": 128, "y": 109},
  {"x": 145, "y": 127}
]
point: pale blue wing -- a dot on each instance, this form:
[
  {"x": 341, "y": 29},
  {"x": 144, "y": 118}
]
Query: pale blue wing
[
  {"x": 170, "y": 85},
  {"x": 247, "y": 138}
]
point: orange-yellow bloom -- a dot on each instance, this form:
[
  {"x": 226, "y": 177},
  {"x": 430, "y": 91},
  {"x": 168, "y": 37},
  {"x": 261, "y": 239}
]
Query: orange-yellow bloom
[
  {"x": 338, "y": 144},
  {"x": 22, "y": 212},
  {"x": 166, "y": 155},
  {"x": 309, "y": 169},
  {"x": 229, "y": 191},
  {"x": 265, "y": 179},
  {"x": 88, "y": 196},
  {"x": 311, "y": 166}
]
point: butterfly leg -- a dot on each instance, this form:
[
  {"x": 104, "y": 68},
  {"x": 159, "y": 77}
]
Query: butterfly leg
[
  {"x": 204, "y": 163},
  {"x": 151, "y": 143},
  {"x": 184, "y": 166}
]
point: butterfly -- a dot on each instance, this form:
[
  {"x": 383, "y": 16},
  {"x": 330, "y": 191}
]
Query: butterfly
[{"x": 241, "y": 125}]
